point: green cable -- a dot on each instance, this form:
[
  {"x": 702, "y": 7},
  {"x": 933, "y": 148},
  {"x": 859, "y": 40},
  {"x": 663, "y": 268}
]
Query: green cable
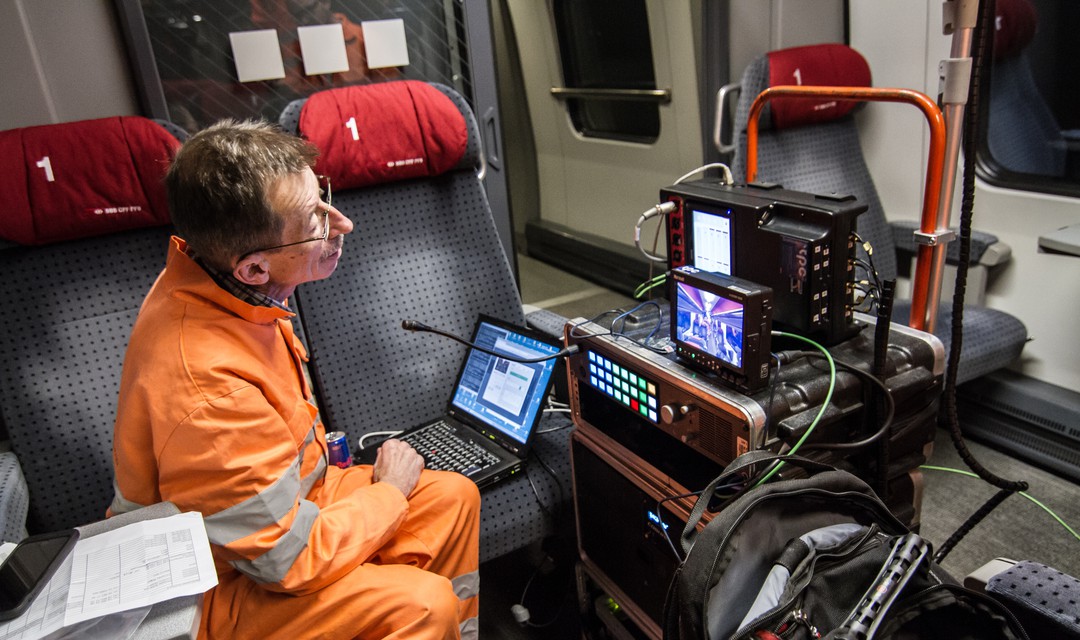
[
  {"x": 1029, "y": 497},
  {"x": 824, "y": 404},
  {"x": 649, "y": 284}
]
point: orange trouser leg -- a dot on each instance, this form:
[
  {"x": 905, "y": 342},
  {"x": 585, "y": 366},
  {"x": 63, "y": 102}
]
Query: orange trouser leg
[{"x": 422, "y": 584}]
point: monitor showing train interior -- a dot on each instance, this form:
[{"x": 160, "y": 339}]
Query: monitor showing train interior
[
  {"x": 711, "y": 323},
  {"x": 722, "y": 324}
]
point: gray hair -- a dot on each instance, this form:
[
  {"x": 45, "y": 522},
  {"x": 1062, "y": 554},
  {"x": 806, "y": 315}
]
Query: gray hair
[{"x": 217, "y": 187}]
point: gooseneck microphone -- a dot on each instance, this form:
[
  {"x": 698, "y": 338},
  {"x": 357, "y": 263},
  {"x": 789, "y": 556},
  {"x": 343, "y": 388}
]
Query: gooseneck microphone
[{"x": 413, "y": 325}]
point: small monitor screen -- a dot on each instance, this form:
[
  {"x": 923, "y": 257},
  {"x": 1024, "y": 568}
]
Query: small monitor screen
[
  {"x": 711, "y": 241},
  {"x": 710, "y": 323}
]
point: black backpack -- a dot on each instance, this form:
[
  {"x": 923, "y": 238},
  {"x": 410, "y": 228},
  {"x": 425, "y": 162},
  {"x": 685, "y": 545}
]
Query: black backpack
[{"x": 819, "y": 556}]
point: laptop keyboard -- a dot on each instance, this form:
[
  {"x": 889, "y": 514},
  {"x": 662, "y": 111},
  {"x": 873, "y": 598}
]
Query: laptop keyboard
[{"x": 444, "y": 450}]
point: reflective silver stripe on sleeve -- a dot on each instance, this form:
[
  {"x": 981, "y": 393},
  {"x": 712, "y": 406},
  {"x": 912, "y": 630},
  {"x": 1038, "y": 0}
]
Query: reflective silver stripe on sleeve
[
  {"x": 320, "y": 467},
  {"x": 470, "y": 629},
  {"x": 310, "y": 479},
  {"x": 467, "y": 585},
  {"x": 120, "y": 504},
  {"x": 258, "y": 511},
  {"x": 274, "y": 564}
]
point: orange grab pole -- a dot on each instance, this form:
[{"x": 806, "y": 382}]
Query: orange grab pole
[{"x": 935, "y": 162}]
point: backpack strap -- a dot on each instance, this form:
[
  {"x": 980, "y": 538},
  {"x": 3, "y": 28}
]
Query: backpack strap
[{"x": 741, "y": 466}]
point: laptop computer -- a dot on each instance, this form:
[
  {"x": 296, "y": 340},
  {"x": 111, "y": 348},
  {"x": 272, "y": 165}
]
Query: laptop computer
[{"x": 494, "y": 408}]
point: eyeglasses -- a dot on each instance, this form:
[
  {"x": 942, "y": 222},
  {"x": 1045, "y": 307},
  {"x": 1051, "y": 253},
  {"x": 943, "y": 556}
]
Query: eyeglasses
[{"x": 323, "y": 191}]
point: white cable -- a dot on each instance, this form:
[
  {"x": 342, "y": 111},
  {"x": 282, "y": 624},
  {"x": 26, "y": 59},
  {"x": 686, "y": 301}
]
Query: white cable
[
  {"x": 659, "y": 210},
  {"x": 713, "y": 165},
  {"x": 375, "y": 434},
  {"x": 668, "y": 207}
]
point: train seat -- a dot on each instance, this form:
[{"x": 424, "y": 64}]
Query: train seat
[
  {"x": 1022, "y": 133},
  {"x": 85, "y": 229},
  {"x": 818, "y": 151},
  {"x": 402, "y": 158}
]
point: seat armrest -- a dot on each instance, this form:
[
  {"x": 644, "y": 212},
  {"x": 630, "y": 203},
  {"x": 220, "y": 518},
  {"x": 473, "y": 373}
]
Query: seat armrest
[
  {"x": 14, "y": 499},
  {"x": 547, "y": 322},
  {"x": 1042, "y": 598},
  {"x": 986, "y": 249},
  {"x": 979, "y": 578}
]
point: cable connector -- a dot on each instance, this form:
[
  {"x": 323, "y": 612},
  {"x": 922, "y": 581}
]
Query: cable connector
[
  {"x": 520, "y": 613},
  {"x": 661, "y": 209}
]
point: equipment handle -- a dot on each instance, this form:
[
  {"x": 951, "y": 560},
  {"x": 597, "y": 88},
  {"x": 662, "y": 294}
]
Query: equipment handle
[{"x": 928, "y": 253}]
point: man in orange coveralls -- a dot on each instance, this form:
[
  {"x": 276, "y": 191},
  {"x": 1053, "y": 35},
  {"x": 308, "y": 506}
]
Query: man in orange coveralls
[{"x": 215, "y": 415}]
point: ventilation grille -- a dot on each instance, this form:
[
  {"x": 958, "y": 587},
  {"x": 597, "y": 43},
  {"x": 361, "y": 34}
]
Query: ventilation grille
[{"x": 716, "y": 435}]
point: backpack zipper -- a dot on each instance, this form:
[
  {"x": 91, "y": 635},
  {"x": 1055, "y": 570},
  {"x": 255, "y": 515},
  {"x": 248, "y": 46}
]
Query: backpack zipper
[{"x": 797, "y": 617}]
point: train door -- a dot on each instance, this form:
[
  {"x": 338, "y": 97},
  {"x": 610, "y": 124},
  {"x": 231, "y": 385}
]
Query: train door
[
  {"x": 612, "y": 91},
  {"x": 621, "y": 102}
]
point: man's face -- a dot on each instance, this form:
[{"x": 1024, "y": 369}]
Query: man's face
[{"x": 297, "y": 200}]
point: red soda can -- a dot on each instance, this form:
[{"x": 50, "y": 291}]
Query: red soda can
[{"x": 338, "y": 446}]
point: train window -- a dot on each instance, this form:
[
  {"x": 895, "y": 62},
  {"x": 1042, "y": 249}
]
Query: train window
[
  {"x": 605, "y": 45},
  {"x": 194, "y": 81},
  {"x": 1030, "y": 103}
]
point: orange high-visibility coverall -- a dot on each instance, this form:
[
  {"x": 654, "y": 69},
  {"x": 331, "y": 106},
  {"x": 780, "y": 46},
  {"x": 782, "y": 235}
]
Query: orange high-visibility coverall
[{"x": 215, "y": 415}]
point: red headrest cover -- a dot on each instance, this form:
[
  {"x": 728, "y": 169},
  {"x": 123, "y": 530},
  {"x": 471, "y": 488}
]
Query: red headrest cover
[
  {"x": 81, "y": 179},
  {"x": 832, "y": 65},
  {"x": 370, "y": 134},
  {"x": 1014, "y": 27}
]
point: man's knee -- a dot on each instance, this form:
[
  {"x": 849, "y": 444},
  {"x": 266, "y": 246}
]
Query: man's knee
[
  {"x": 433, "y": 604},
  {"x": 457, "y": 488}
]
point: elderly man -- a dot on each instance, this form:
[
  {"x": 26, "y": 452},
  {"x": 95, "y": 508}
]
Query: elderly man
[{"x": 216, "y": 415}]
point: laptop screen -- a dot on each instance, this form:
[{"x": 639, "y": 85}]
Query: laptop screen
[{"x": 501, "y": 393}]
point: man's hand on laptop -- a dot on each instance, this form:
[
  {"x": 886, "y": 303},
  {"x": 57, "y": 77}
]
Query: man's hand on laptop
[{"x": 398, "y": 464}]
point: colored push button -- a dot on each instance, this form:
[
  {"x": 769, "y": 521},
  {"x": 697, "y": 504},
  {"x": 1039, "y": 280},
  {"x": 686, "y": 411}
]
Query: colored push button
[{"x": 623, "y": 385}]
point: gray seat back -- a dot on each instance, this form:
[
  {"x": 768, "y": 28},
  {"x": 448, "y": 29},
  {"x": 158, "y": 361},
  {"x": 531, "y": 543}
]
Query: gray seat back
[
  {"x": 423, "y": 249},
  {"x": 60, "y": 360},
  {"x": 824, "y": 158}
]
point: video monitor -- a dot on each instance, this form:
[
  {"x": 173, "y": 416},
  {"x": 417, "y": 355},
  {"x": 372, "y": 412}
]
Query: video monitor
[{"x": 722, "y": 324}]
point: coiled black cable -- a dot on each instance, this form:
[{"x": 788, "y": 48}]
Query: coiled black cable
[{"x": 983, "y": 34}]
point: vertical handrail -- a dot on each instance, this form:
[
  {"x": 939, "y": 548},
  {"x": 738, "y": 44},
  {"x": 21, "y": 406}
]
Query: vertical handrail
[{"x": 924, "y": 282}]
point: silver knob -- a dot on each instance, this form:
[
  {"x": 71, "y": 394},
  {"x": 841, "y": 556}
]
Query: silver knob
[{"x": 671, "y": 413}]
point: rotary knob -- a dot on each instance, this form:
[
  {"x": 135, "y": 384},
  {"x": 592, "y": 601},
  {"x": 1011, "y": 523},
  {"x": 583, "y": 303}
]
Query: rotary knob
[{"x": 671, "y": 413}]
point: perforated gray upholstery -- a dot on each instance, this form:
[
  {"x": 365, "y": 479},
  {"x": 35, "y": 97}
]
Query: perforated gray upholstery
[
  {"x": 1043, "y": 598},
  {"x": 827, "y": 158},
  {"x": 14, "y": 499},
  {"x": 427, "y": 250},
  {"x": 60, "y": 365},
  {"x": 1022, "y": 133}
]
